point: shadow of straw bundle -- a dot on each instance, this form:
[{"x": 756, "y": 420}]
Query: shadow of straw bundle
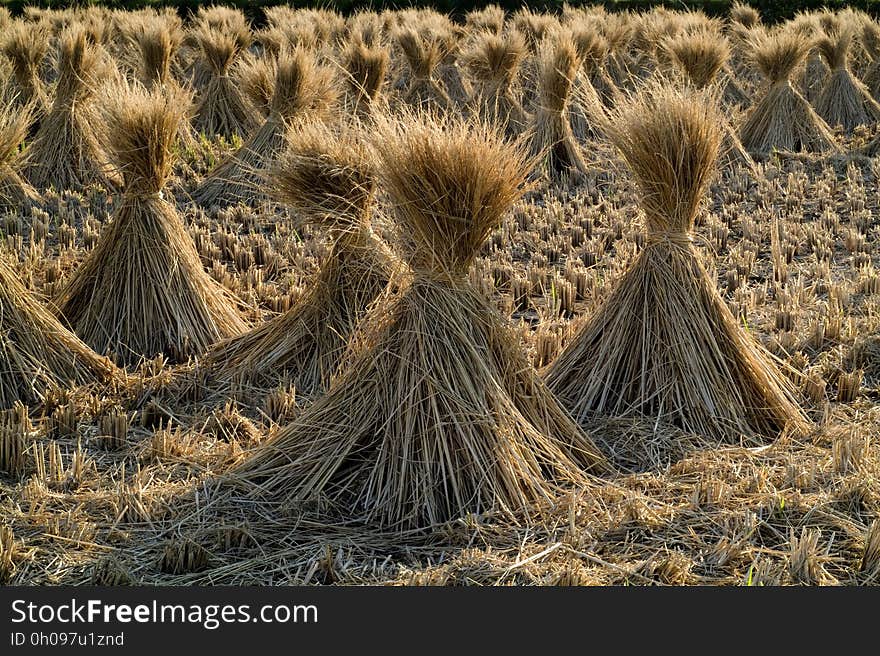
[
  {"x": 66, "y": 152},
  {"x": 436, "y": 412},
  {"x": 302, "y": 91},
  {"x": 37, "y": 353},
  {"x": 15, "y": 192},
  {"x": 493, "y": 62},
  {"x": 222, "y": 107},
  {"x": 328, "y": 180},
  {"x": 664, "y": 344},
  {"x": 782, "y": 119},
  {"x": 142, "y": 291},
  {"x": 553, "y": 142},
  {"x": 843, "y": 100}
]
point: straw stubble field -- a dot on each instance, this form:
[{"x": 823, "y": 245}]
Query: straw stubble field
[{"x": 326, "y": 338}]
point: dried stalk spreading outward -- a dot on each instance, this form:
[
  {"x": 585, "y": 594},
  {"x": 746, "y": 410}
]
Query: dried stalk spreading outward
[
  {"x": 37, "y": 353},
  {"x": 423, "y": 54},
  {"x": 436, "y": 412},
  {"x": 843, "y": 100},
  {"x": 550, "y": 131},
  {"x": 364, "y": 73},
  {"x": 25, "y": 45},
  {"x": 701, "y": 57},
  {"x": 15, "y": 193},
  {"x": 664, "y": 344},
  {"x": 142, "y": 291},
  {"x": 493, "y": 62},
  {"x": 328, "y": 180},
  {"x": 744, "y": 15},
  {"x": 222, "y": 107},
  {"x": 783, "y": 119},
  {"x": 302, "y": 90},
  {"x": 66, "y": 153},
  {"x": 488, "y": 19}
]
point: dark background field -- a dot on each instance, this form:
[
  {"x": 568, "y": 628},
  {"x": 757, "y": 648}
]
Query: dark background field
[{"x": 771, "y": 10}]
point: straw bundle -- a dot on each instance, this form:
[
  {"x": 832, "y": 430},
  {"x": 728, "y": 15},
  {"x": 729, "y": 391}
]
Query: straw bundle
[
  {"x": 664, "y": 344},
  {"x": 365, "y": 69},
  {"x": 871, "y": 43},
  {"x": 843, "y": 100},
  {"x": 782, "y": 119},
  {"x": 328, "y": 180},
  {"x": 37, "y": 353},
  {"x": 158, "y": 46},
  {"x": 487, "y": 19},
  {"x": 15, "y": 193},
  {"x": 423, "y": 55},
  {"x": 550, "y": 130},
  {"x": 222, "y": 108},
  {"x": 142, "y": 291},
  {"x": 493, "y": 62},
  {"x": 436, "y": 414},
  {"x": 744, "y": 15},
  {"x": 592, "y": 49},
  {"x": 701, "y": 58},
  {"x": 65, "y": 153},
  {"x": 302, "y": 89},
  {"x": 25, "y": 45}
]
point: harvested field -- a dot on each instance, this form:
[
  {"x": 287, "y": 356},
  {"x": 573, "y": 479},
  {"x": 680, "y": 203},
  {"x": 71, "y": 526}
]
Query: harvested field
[{"x": 493, "y": 182}]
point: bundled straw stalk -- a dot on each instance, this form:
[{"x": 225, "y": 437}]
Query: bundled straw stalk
[
  {"x": 25, "y": 45},
  {"x": 493, "y": 62},
  {"x": 423, "y": 55},
  {"x": 328, "y": 180},
  {"x": 664, "y": 344},
  {"x": 302, "y": 90},
  {"x": 142, "y": 291},
  {"x": 436, "y": 413},
  {"x": 782, "y": 119},
  {"x": 592, "y": 49},
  {"x": 66, "y": 153},
  {"x": 222, "y": 108},
  {"x": 365, "y": 68},
  {"x": 37, "y": 353},
  {"x": 843, "y": 100},
  {"x": 871, "y": 43},
  {"x": 553, "y": 142},
  {"x": 15, "y": 193}
]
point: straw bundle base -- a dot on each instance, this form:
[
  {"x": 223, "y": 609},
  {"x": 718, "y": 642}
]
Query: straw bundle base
[
  {"x": 435, "y": 417},
  {"x": 224, "y": 111},
  {"x": 846, "y": 102},
  {"x": 665, "y": 345},
  {"x": 143, "y": 291},
  {"x": 553, "y": 141},
  {"x": 784, "y": 120}
]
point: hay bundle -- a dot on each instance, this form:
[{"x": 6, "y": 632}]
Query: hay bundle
[
  {"x": 843, "y": 100},
  {"x": 328, "y": 180},
  {"x": 423, "y": 55},
  {"x": 15, "y": 193},
  {"x": 436, "y": 414},
  {"x": 365, "y": 69},
  {"x": 487, "y": 19},
  {"x": 702, "y": 58},
  {"x": 157, "y": 44},
  {"x": 593, "y": 50},
  {"x": 550, "y": 130},
  {"x": 302, "y": 89},
  {"x": 664, "y": 344},
  {"x": 66, "y": 153},
  {"x": 25, "y": 45},
  {"x": 142, "y": 291},
  {"x": 782, "y": 119},
  {"x": 744, "y": 15},
  {"x": 871, "y": 43},
  {"x": 222, "y": 108},
  {"x": 493, "y": 62},
  {"x": 37, "y": 353}
]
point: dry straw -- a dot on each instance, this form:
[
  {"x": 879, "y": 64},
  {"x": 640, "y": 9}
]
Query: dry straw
[
  {"x": 593, "y": 50},
  {"x": 871, "y": 44},
  {"x": 364, "y": 71},
  {"x": 329, "y": 181},
  {"x": 302, "y": 91},
  {"x": 488, "y": 19},
  {"x": 66, "y": 153},
  {"x": 222, "y": 107},
  {"x": 37, "y": 353},
  {"x": 782, "y": 119},
  {"x": 423, "y": 54},
  {"x": 664, "y": 344},
  {"x": 843, "y": 100},
  {"x": 553, "y": 142},
  {"x": 142, "y": 291},
  {"x": 15, "y": 193},
  {"x": 25, "y": 45},
  {"x": 436, "y": 413},
  {"x": 493, "y": 62}
]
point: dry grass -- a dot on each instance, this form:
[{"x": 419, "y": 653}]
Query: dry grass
[{"x": 493, "y": 62}]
